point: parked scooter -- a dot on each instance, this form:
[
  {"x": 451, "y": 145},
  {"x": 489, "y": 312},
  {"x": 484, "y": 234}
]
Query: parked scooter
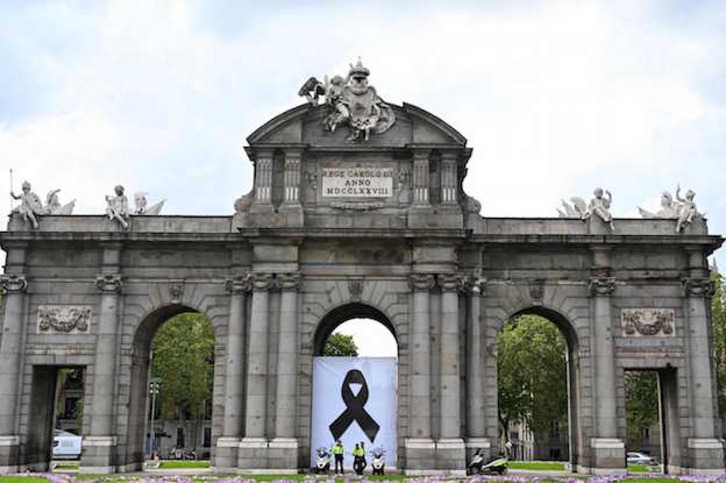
[
  {"x": 496, "y": 465},
  {"x": 322, "y": 460},
  {"x": 378, "y": 462}
]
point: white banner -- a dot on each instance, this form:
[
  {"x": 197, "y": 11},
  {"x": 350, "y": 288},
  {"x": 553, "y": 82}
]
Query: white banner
[
  {"x": 372, "y": 182},
  {"x": 354, "y": 400}
]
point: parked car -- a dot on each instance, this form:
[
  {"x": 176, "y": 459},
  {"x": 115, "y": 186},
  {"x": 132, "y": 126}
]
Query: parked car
[
  {"x": 635, "y": 458},
  {"x": 66, "y": 446}
]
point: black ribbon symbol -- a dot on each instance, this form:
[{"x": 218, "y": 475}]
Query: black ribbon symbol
[{"x": 354, "y": 410}]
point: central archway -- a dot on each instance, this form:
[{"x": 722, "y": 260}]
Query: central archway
[
  {"x": 355, "y": 399},
  {"x": 139, "y": 444}
]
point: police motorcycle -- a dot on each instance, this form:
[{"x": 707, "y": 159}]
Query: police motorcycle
[
  {"x": 322, "y": 460},
  {"x": 378, "y": 462},
  {"x": 496, "y": 465}
]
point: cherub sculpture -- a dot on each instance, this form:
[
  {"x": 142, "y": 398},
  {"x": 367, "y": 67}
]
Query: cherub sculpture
[
  {"x": 687, "y": 210},
  {"x": 30, "y": 205},
  {"x": 599, "y": 205},
  {"x": 118, "y": 206}
]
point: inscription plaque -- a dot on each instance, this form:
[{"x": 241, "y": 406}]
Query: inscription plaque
[{"x": 369, "y": 182}]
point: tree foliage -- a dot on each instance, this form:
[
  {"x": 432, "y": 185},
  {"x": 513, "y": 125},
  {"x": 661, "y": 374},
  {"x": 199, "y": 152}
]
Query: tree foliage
[
  {"x": 641, "y": 404},
  {"x": 340, "y": 345},
  {"x": 532, "y": 369},
  {"x": 183, "y": 361},
  {"x": 718, "y": 312}
]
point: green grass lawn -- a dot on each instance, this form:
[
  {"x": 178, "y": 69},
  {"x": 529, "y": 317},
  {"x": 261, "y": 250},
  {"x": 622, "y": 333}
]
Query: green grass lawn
[
  {"x": 638, "y": 468},
  {"x": 169, "y": 465},
  {"x": 22, "y": 479},
  {"x": 67, "y": 465},
  {"x": 537, "y": 465}
]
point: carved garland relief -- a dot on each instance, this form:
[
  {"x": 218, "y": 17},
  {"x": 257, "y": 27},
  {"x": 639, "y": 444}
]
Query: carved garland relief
[
  {"x": 64, "y": 319},
  {"x": 645, "y": 322}
]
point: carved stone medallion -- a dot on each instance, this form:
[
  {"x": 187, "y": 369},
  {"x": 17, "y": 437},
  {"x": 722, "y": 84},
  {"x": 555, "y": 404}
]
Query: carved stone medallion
[
  {"x": 646, "y": 322},
  {"x": 64, "y": 319}
]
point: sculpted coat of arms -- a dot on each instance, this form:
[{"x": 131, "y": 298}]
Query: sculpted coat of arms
[{"x": 351, "y": 101}]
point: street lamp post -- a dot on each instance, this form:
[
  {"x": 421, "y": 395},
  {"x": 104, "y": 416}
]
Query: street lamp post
[{"x": 153, "y": 390}]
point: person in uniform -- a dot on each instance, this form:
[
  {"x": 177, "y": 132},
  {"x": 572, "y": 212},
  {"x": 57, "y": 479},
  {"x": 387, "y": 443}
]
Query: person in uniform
[{"x": 338, "y": 452}]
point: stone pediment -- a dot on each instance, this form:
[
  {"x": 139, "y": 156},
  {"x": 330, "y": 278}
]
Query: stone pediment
[{"x": 304, "y": 125}]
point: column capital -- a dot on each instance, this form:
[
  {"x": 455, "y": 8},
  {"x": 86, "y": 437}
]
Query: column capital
[
  {"x": 421, "y": 281},
  {"x": 289, "y": 281},
  {"x": 450, "y": 283},
  {"x": 698, "y": 287},
  {"x": 109, "y": 283},
  {"x": 602, "y": 286},
  {"x": 13, "y": 284},
  {"x": 476, "y": 285},
  {"x": 239, "y": 284},
  {"x": 262, "y": 281}
]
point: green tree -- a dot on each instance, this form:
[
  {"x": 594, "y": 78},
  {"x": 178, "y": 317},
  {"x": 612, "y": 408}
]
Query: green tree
[
  {"x": 183, "y": 360},
  {"x": 532, "y": 375},
  {"x": 718, "y": 312},
  {"x": 641, "y": 404},
  {"x": 340, "y": 345}
]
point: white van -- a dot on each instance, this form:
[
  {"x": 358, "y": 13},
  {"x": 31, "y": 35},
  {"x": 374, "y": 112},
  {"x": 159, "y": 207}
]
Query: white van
[{"x": 66, "y": 446}]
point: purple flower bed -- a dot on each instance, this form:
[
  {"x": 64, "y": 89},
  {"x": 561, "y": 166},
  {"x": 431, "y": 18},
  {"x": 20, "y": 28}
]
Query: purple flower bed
[{"x": 65, "y": 478}]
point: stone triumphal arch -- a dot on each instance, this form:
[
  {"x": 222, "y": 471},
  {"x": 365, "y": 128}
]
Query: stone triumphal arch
[{"x": 357, "y": 209}]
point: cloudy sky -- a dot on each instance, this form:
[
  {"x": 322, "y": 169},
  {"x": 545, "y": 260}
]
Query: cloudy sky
[{"x": 555, "y": 97}]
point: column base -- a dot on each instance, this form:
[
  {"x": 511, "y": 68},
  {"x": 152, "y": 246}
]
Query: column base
[
  {"x": 482, "y": 444},
  {"x": 420, "y": 456},
  {"x": 252, "y": 454},
  {"x": 706, "y": 456},
  {"x": 226, "y": 454},
  {"x": 9, "y": 454},
  {"x": 451, "y": 455},
  {"x": 608, "y": 456},
  {"x": 98, "y": 455},
  {"x": 283, "y": 454}
]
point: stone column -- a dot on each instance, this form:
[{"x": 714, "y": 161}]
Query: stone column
[
  {"x": 607, "y": 449},
  {"x": 706, "y": 451},
  {"x": 292, "y": 178},
  {"x": 253, "y": 447},
  {"x": 227, "y": 444},
  {"x": 263, "y": 179},
  {"x": 421, "y": 178},
  {"x": 99, "y": 443},
  {"x": 448, "y": 178},
  {"x": 13, "y": 286},
  {"x": 450, "y": 450},
  {"x": 475, "y": 413},
  {"x": 284, "y": 448},
  {"x": 291, "y": 207},
  {"x": 419, "y": 446}
]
